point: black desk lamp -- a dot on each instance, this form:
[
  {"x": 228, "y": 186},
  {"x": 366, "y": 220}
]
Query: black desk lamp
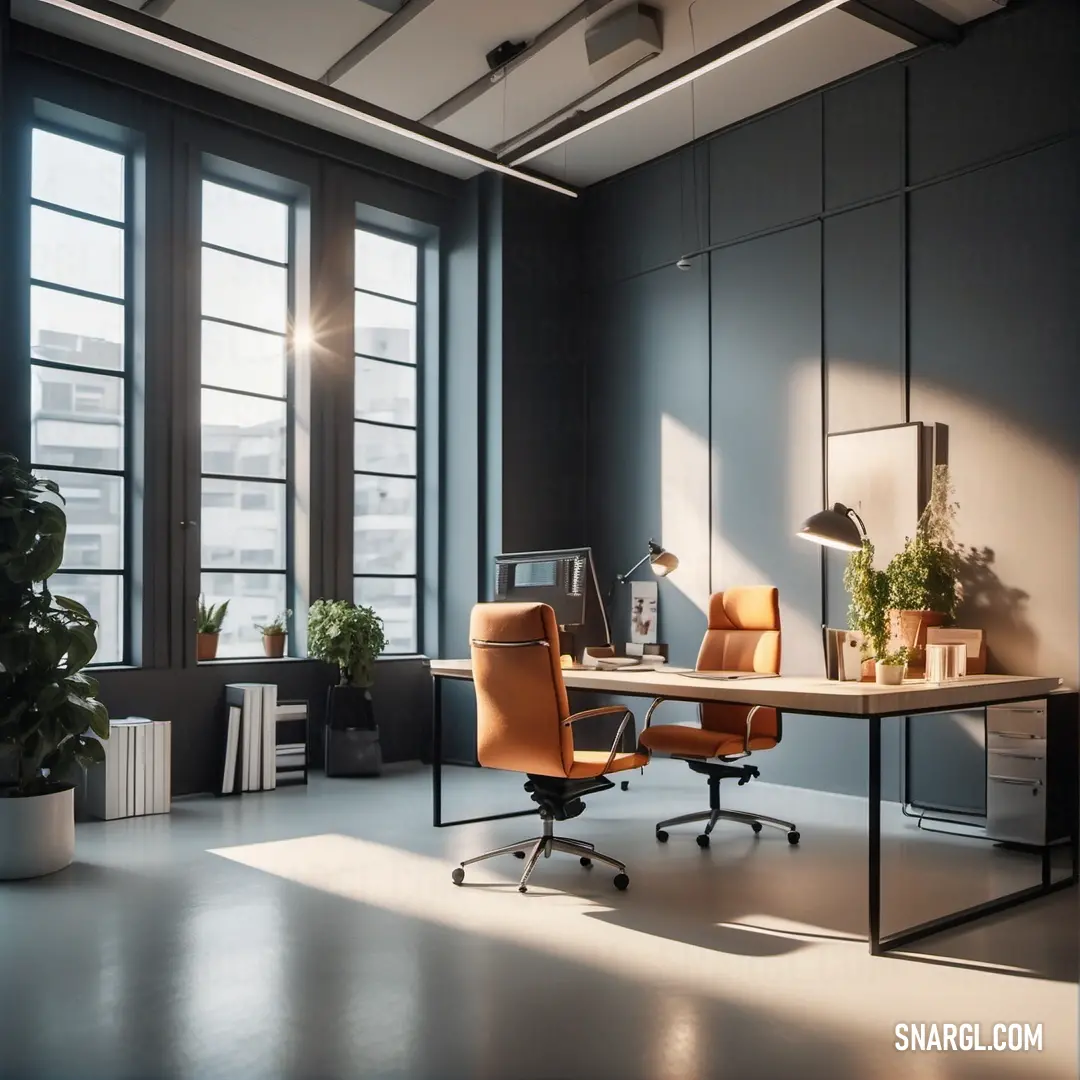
[
  {"x": 839, "y": 528},
  {"x": 661, "y": 563}
]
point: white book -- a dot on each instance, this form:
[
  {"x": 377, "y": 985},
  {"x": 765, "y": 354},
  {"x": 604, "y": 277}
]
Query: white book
[
  {"x": 97, "y": 784},
  {"x": 121, "y": 733},
  {"x": 167, "y": 767},
  {"x": 139, "y": 770},
  {"x": 112, "y": 782},
  {"x": 292, "y": 762},
  {"x": 161, "y": 735},
  {"x": 267, "y": 768},
  {"x": 151, "y": 757},
  {"x": 232, "y": 744},
  {"x": 252, "y": 736},
  {"x": 292, "y": 710}
]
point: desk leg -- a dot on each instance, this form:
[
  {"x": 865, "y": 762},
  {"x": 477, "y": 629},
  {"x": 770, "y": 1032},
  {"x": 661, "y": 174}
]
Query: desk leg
[
  {"x": 436, "y": 769},
  {"x": 874, "y": 836},
  {"x": 436, "y": 752}
]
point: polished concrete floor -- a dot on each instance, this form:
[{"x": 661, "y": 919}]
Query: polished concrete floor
[{"x": 314, "y": 933}]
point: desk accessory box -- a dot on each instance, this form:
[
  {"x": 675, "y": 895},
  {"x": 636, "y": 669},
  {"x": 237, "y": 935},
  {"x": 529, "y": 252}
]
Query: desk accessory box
[{"x": 136, "y": 777}]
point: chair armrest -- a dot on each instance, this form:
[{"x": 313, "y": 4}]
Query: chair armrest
[
  {"x": 652, "y": 709},
  {"x": 605, "y": 710}
]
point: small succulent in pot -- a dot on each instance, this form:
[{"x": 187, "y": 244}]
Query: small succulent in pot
[
  {"x": 208, "y": 627},
  {"x": 274, "y": 632}
]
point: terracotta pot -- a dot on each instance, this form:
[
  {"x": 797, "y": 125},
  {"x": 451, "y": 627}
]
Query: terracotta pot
[
  {"x": 206, "y": 646},
  {"x": 908, "y": 629},
  {"x": 274, "y": 644},
  {"x": 37, "y": 834}
]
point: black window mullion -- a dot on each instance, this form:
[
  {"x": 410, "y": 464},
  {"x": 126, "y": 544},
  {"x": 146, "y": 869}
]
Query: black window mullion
[{"x": 83, "y": 214}]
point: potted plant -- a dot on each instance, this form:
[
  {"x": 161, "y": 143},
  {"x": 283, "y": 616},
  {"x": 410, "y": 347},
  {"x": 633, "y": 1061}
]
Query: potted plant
[
  {"x": 273, "y": 634},
  {"x": 208, "y": 628},
  {"x": 48, "y": 706},
  {"x": 923, "y": 576},
  {"x": 351, "y": 637},
  {"x": 889, "y": 669},
  {"x": 867, "y": 612}
]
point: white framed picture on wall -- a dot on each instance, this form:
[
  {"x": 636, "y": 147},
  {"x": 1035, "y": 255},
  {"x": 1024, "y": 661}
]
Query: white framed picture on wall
[{"x": 643, "y": 611}]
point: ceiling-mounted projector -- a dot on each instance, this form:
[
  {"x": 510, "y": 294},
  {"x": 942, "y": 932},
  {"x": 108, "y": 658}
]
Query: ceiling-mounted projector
[{"x": 624, "y": 38}]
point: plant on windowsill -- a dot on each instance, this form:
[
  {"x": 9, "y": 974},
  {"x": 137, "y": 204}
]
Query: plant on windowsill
[
  {"x": 50, "y": 718},
  {"x": 273, "y": 634},
  {"x": 351, "y": 637},
  {"x": 924, "y": 576},
  {"x": 208, "y": 628}
]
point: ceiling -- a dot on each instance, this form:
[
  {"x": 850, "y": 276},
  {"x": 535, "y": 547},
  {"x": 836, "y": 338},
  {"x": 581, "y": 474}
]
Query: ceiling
[{"x": 439, "y": 51}]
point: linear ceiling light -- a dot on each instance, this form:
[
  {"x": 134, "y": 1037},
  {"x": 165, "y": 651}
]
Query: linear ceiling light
[
  {"x": 791, "y": 18},
  {"x": 318, "y": 95}
]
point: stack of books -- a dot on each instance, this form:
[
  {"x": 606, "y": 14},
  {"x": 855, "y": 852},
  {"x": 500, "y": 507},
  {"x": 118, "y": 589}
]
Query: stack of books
[
  {"x": 292, "y": 742},
  {"x": 264, "y": 740},
  {"x": 136, "y": 777}
]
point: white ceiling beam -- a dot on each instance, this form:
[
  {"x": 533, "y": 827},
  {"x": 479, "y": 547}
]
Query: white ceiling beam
[
  {"x": 546, "y": 36},
  {"x": 379, "y": 36},
  {"x": 156, "y": 7},
  {"x": 138, "y": 26}
]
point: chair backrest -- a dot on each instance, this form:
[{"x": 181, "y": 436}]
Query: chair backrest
[
  {"x": 521, "y": 701},
  {"x": 743, "y": 635}
]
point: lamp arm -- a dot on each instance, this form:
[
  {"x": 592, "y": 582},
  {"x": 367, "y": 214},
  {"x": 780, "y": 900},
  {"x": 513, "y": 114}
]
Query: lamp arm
[{"x": 621, "y": 579}]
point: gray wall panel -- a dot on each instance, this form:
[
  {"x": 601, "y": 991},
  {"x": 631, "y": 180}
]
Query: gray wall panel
[
  {"x": 767, "y": 173},
  {"x": 864, "y": 137},
  {"x": 1014, "y": 82},
  {"x": 864, "y": 317}
]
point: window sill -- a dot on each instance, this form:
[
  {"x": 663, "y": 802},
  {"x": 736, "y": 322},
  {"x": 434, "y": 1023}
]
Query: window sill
[{"x": 225, "y": 661}]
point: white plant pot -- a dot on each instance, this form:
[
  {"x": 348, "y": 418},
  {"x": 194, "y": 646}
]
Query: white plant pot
[
  {"x": 37, "y": 834},
  {"x": 889, "y": 674}
]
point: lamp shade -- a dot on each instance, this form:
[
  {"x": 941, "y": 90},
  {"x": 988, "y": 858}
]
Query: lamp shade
[
  {"x": 835, "y": 528},
  {"x": 664, "y": 563}
]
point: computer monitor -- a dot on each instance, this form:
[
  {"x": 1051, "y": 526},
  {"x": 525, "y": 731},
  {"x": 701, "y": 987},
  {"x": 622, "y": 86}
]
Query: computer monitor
[{"x": 566, "y": 581}]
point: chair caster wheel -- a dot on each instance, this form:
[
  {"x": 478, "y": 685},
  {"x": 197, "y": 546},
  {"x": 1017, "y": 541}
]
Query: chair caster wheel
[
  {"x": 793, "y": 838},
  {"x": 458, "y": 876},
  {"x": 703, "y": 841},
  {"x": 620, "y": 882},
  {"x": 756, "y": 826},
  {"x": 523, "y": 888},
  {"x": 662, "y": 836},
  {"x": 519, "y": 854},
  {"x": 625, "y": 785},
  {"x": 584, "y": 861}
]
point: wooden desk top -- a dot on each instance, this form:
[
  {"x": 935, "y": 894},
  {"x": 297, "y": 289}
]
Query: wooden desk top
[{"x": 798, "y": 694}]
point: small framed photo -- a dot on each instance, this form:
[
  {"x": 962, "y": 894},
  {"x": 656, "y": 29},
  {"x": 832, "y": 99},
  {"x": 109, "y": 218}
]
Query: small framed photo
[{"x": 643, "y": 605}]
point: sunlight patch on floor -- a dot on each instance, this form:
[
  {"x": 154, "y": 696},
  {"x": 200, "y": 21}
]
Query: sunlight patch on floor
[{"x": 833, "y": 982}]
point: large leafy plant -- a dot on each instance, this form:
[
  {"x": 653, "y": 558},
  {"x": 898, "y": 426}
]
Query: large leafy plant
[
  {"x": 48, "y": 705},
  {"x": 348, "y": 635},
  {"x": 924, "y": 575}
]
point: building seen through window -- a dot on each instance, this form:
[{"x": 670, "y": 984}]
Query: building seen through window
[{"x": 78, "y": 356}]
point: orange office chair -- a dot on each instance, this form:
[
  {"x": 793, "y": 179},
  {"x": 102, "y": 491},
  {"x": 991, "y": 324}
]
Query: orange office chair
[
  {"x": 524, "y": 724},
  {"x": 743, "y": 635}
]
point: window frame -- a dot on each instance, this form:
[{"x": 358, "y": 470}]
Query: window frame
[
  {"x": 211, "y": 171},
  {"x": 126, "y": 144},
  {"x": 417, "y": 428}
]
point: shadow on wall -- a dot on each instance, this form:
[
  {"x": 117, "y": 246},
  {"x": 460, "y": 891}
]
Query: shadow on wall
[{"x": 1001, "y": 611}]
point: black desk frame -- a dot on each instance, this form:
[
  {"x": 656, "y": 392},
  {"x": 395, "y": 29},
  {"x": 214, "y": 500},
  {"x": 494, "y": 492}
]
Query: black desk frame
[{"x": 879, "y": 945}]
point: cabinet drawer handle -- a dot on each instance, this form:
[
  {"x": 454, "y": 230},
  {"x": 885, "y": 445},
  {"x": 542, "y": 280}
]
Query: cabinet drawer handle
[
  {"x": 1016, "y": 780},
  {"x": 1014, "y": 735},
  {"x": 1022, "y": 757}
]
